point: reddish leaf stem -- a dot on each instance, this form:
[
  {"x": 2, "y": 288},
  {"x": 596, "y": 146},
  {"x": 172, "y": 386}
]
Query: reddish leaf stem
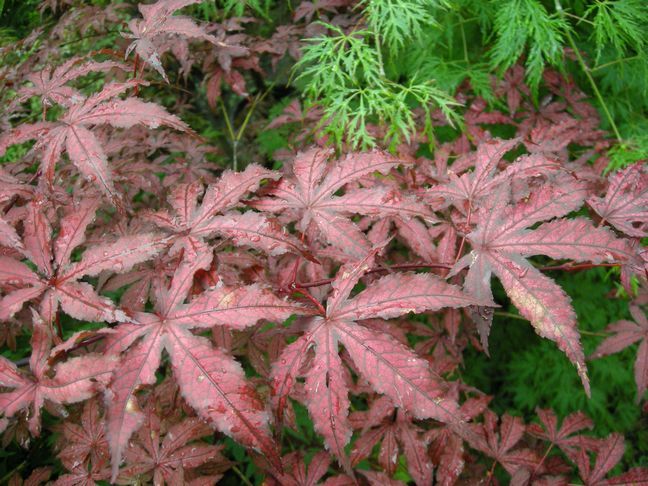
[
  {"x": 463, "y": 238},
  {"x": 490, "y": 473},
  {"x": 539, "y": 465},
  {"x": 135, "y": 73},
  {"x": 308, "y": 295},
  {"x": 58, "y": 335}
]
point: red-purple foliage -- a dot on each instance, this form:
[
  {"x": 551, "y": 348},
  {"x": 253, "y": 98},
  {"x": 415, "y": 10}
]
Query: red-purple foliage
[{"x": 206, "y": 274}]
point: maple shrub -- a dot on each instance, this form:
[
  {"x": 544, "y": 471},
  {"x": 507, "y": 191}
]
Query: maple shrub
[{"x": 267, "y": 242}]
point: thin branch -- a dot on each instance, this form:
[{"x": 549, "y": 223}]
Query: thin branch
[
  {"x": 379, "y": 54},
  {"x": 510, "y": 315},
  {"x": 580, "y": 19},
  {"x": 243, "y": 477},
  {"x": 544, "y": 457},
  {"x": 463, "y": 238},
  {"x": 592, "y": 333},
  {"x": 517, "y": 317},
  {"x": 587, "y": 72},
  {"x": 5, "y": 479},
  {"x": 464, "y": 43},
  {"x": 230, "y": 130},
  {"x": 316, "y": 302},
  {"x": 612, "y": 63}
]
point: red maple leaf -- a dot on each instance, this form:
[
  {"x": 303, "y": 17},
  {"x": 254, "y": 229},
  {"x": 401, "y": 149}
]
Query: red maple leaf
[
  {"x": 394, "y": 429},
  {"x": 626, "y": 333},
  {"x": 87, "y": 440},
  {"x": 625, "y": 204},
  {"x": 51, "y": 84},
  {"x": 307, "y": 196},
  {"x": 608, "y": 453},
  {"x": 562, "y": 437},
  {"x": 447, "y": 448},
  {"x": 82, "y": 474},
  {"x": 191, "y": 224},
  {"x": 501, "y": 446},
  {"x": 165, "y": 452},
  {"x": 70, "y": 381},
  {"x": 38, "y": 476},
  {"x": 56, "y": 280},
  {"x": 210, "y": 380},
  {"x": 500, "y": 244},
  {"x": 72, "y": 133},
  {"x": 470, "y": 189},
  {"x": 389, "y": 366},
  {"x": 158, "y": 20},
  {"x": 297, "y": 473}
]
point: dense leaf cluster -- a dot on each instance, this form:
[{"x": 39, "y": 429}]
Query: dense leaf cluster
[{"x": 192, "y": 293}]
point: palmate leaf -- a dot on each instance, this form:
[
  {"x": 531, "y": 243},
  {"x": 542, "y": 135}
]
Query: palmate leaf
[
  {"x": 471, "y": 189},
  {"x": 389, "y": 366},
  {"x": 56, "y": 279},
  {"x": 626, "y": 333},
  {"x": 309, "y": 194},
  {"x": 72, "y": 133},
  {"x": 168, "y": 451},
  {"x": 51, "y": 84},
  {"x": 501, "y": 446},
  {"x": 500, "y": 242},
  {"x": 74, "y": 380},
  {"x": 447, "y": 449},
  {"x": 158, "y": 20},
  {"x": 210, "y": 380},
  {"x": 297, "y": 474},
  {"x": 86, "y": 440},
  {"x": 562, "y": 436},
  {"x": 625, "y": 205},
  {"x": 609, "y": 453},
  {"x": 192, "y": 223},
  {"x": 394, "y": 429}
]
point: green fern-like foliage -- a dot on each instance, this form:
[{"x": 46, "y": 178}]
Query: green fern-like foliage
[
  {"x": 525, "y": 372},
  {"x": 526, "y": 26},
  {"x": 618, "y": 24},
  {"x": 406, "y": 54},
  {"x": 397, "y": 21},
  {"x": 238, "y": 7},
  {"x": 348, "y": 73}
]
